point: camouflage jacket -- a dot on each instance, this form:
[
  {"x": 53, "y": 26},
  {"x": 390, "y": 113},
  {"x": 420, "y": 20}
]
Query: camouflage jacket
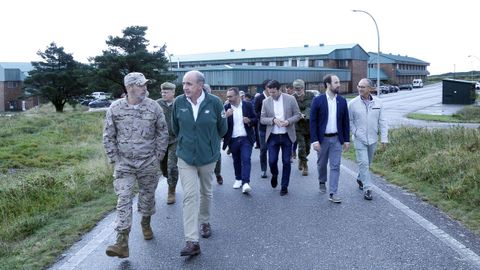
[
  {"x": 135, "y": 134},
  {"x": 167, "y": 111},
  {"x": 304, "y": 104}
]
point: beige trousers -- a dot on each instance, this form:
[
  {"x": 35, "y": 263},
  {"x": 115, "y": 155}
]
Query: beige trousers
[{"x": 197, "y": 196}]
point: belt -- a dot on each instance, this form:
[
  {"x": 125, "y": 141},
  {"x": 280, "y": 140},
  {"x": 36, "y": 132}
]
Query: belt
[{"x": 330, "y": 134}]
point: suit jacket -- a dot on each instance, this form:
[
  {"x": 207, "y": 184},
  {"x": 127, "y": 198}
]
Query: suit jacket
[
  {"x": 290, "y": 111},
  {"x": 247, "y": 110},
  {"x": 258, "y": 109},
  {"x": 319, "y": 119}
]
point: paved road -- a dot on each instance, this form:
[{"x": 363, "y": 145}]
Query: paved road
[
  {"x": 302, "y": 230},
  {"x": 427, "y": 100}
]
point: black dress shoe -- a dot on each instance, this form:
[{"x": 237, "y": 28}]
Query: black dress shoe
[
  {"x": 219, "y": 179},
  {"x": 360, "y": 184},
  {"x": 368, "y": 195},
  {"x": 274, "y": 181},
  {"x": 264, "y": 174},
  {"x": 205, "y": 230},
  {"x": 283, "y": 191},
  {"x": 191, "y": 249}
]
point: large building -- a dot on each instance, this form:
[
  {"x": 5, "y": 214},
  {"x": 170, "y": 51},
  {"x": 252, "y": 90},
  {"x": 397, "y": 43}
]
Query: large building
[
  {"x": 247, "y": 69},
  {"x": 12, "y": 75}
]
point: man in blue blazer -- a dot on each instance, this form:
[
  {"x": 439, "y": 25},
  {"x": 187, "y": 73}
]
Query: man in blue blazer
[
  {"x": 330, "y": 129},
  {"x": 241, "y": 120}
]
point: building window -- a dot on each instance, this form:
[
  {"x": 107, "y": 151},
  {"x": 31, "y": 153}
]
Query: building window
[
  {"x": 12, "y": 84},
  {"x": 294, "y": 63},
  {"x": 319, "y": 63},
  {"x": 272, "y": 64},
  {"x": 258, "y": 64}
]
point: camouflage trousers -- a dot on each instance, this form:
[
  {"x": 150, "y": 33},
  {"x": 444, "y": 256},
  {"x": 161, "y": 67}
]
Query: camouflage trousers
[
  {"x": 303, "y": 142},
  {"x": 124, "y": 184},
  {"x": 169, "y": 165}
]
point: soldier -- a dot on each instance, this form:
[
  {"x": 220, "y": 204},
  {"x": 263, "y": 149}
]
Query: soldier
[
  {"x": 302, "y": 127},
  {"x": 169, "y": 162},
  {"x": 135, "y": 138}
]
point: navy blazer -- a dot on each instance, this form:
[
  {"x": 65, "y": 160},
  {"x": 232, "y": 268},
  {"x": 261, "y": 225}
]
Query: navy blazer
[
  {"x": 319, "y": 119},
  {"x": 258, "y": 101},
  {"x": 247, "y": 110}
]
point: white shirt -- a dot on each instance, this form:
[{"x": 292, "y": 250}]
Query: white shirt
[
  {"x": 332, "y": 115},
  {"x": 279, "y": 114},
  {"x": 197, "y": 106},
  {"x": 238, "y": 125}
]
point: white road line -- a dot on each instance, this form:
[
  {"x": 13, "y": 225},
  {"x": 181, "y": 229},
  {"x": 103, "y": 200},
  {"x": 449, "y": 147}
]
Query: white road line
[
  {"x": 465, "y": 252},
  {"x": 83, "y": 253}
]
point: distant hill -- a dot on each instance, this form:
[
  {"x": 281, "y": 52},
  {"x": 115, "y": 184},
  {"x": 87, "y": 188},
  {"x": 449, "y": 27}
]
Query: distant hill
[{"x": 473, "y": 75}]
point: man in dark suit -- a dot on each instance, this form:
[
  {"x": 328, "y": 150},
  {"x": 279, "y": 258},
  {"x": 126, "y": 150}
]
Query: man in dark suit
[
  {"x": 240, "y": 137},
  {"x": 262, "y": 129},
  {"x": 280, "y": 112},
  {"x": 330, "y": 129}
]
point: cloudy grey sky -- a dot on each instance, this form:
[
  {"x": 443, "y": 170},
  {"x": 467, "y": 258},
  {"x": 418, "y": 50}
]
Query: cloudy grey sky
[{"x": 443, "y": 34}]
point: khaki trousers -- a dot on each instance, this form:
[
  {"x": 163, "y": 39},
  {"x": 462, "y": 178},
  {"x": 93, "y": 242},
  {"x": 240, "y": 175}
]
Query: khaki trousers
[{"x": 197, "y": 189}]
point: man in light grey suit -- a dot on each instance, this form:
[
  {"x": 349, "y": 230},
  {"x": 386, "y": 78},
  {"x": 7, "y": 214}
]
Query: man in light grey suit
[{"x": 279, "y": 113}]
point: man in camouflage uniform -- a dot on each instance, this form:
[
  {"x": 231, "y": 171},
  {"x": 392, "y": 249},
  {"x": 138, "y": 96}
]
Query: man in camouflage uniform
[
  {"x": 169, "y": 162},
  {"x": 302, "y": 127},
  {"x": 135, "y": 138}
]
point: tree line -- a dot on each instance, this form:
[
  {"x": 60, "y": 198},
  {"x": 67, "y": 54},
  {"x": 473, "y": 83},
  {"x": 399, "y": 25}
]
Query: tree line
[{"x": 61, "y": 80}]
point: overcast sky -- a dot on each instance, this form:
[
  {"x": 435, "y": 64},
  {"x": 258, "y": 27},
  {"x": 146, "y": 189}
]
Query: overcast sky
[{"x": 441, "y": 33}]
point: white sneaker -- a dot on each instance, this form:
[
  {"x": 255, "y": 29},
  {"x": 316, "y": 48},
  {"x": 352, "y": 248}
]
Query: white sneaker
[
  {"x": 246, "y": 188},
  {"x": 237, "y": 184}
]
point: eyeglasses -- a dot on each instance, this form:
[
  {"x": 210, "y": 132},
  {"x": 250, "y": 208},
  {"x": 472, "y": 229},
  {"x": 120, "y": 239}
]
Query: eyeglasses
[{"x": 361, "y": 86}]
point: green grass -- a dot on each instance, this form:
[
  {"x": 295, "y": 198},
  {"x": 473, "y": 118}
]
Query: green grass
[
  {"x": 55, "y": 183},
  {"x": 441, "y": 165},
  {"x": 469, "y": 114}
]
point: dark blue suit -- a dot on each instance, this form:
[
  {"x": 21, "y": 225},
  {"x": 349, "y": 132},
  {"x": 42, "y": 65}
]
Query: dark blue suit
[
  {"x": 241, "y": 147},
  {"x": 319, "y": 118},
  {"x": 261, "y": 132},
  {"x": 330, "y": 144}
]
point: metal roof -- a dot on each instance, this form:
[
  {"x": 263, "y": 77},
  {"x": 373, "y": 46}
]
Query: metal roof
[
  {"x": 372, "y": 74},
  {"x": 394, "y": 59},
  {"x": 264, "y": 53},
  {"x": 24, "y": 68}
]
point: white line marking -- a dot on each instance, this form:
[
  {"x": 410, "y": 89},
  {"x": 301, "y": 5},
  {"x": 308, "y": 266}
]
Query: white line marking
[{"x": 465, "y": 252}]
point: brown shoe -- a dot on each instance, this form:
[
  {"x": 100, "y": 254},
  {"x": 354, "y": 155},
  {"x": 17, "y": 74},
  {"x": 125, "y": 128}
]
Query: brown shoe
[
  {"x": 190, "y": 249},
  {"x": 120, "y": 248},
  {"x": 305, "y": 169},
  {"x": 219, "y": 179},
  {"x": 171, "y": 195},
  {"x": 146, "y": 229},
  {"x": 205, "y": 230}
]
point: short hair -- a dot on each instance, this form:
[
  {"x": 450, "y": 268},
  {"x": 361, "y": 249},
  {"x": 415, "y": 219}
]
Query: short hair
[
  {"x": 264, "y": 83},
  {"x": 167, "y": 86},
  {"x": 248, "y": 95},
  {"x": 327, "y": 79},
  {"x": 298, "y": 83},
  {"x": 199, "y": 75},
  {"x": 234, "y": 89},
  {"x": 273, "y": 84},
  {"x": 207, "y": 88},
  {"x": 369, "y": 82}
]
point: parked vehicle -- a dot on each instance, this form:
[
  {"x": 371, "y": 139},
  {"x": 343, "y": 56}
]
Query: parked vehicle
[
  {"x": 407, "y": 86},
  {"x": 477, "y": 85},
  {"x": 417, "y": 83},
  {"x": 100, "y": 95},
  {"x": 99, "y": 103},
  {"x": 86, "y": 100},
  {"x": 315, "y": 92}
]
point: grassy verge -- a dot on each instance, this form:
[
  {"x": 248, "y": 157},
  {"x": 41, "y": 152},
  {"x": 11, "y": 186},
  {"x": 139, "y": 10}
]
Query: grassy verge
[
  {"x": 55, "y": 184},
  {"x": 440, "y": 165},
  {"x": 469, "y": 114}
]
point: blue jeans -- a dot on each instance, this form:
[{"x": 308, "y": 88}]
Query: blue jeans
[
  {"x": 275, "y": 143},
  {"x": 241, "y": 149},
  {"x": 364, "y": 154},
  {"x": 330, "y": 150},
  {"x": 263, "y": 151}
]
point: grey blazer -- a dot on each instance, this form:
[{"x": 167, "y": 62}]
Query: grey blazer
[{"x": 290, "y": 111}]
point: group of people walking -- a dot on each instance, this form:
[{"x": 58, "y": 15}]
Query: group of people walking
[{"x": 182, "y": 136}]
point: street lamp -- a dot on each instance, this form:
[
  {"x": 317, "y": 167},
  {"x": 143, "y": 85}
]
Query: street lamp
[{"x": 378, "y": 49}]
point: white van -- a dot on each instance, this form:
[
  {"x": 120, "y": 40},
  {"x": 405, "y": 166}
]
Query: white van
[
  {"x": 417, "y": 83},
  {"x": 100, "y": 95}
]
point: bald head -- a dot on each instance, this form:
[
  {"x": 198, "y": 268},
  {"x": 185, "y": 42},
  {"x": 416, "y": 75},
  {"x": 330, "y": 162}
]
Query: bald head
[{"x": 193, "y": 82}]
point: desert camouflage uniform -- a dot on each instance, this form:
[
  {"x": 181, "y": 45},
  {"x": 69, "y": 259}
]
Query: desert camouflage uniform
[
  {"x": 169, "y": 162},
  {"x": 135, "y": 139}
]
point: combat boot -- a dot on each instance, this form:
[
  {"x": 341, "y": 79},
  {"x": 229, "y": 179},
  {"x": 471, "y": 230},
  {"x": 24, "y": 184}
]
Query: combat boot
[
  {"x": 120, "y": 248},
  {"x": 305, "y": 169},
  {"x": 300, "y": 165},
  {"x": 171, "y": 195},
  {"x": 146, "y": 229}
]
